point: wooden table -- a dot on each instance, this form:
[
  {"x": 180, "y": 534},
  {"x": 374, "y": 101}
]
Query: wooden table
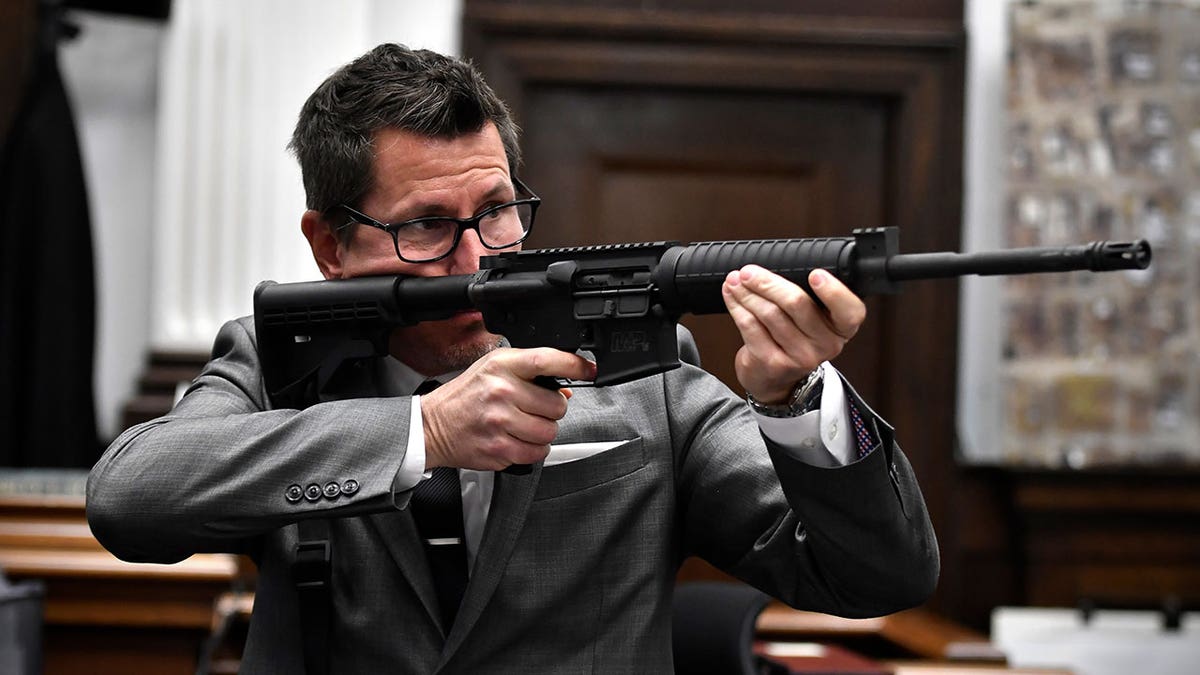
[
  {"x": 103, "y": 615},
  {"x": 915, "y": 633},
  {"x": 913, "y": 642}
]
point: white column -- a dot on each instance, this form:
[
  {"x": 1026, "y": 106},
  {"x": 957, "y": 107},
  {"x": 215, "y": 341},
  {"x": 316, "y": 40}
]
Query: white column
[
  {"x": 420, "y": 24},
  {"x": 229, "y": 196},
  {"x": 979, "y": 344}
]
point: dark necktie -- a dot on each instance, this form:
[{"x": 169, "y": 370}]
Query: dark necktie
[{"x": 437, "y": 509}]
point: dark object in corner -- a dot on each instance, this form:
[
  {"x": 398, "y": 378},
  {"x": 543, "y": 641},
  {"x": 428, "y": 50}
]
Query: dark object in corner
[
  {"x": 47, "y": 288},
  {"x": 147, "y": 9},
  {"x": 1172, "y": 609},
  {"x": 21, "y": 627},
  {"x": 712, "y": 628}
]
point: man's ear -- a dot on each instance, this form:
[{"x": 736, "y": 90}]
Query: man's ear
[{"x": 323, "y": 242}]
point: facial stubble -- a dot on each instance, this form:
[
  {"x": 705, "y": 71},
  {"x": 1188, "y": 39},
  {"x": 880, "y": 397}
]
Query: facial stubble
[{"x": 428, "y": 349}]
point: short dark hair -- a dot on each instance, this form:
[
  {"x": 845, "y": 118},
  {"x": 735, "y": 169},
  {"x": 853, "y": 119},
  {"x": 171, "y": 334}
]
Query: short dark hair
[{"x": 391, "y": 86}]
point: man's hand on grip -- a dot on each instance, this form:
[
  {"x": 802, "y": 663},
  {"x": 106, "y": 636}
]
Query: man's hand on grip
[{"x": 493, "y": 415}]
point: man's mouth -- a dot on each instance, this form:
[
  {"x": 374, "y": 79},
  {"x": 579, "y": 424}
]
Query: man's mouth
[{"x": 467, "y": 316}]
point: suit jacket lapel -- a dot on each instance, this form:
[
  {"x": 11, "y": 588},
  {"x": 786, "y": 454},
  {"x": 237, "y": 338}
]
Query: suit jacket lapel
[
  {"x": 511, "y": 499},
  {"x": 400, "y": 538}
]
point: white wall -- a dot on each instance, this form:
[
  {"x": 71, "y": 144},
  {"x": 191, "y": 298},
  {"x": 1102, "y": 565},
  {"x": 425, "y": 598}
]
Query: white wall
[
  {"x": 112, "y": 73},
  {"x": 983, "y": 202}
]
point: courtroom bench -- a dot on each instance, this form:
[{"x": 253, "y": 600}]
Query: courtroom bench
[{"x": 103, "y": 615}]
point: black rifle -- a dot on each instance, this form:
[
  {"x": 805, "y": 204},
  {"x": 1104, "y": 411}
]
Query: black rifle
[{"x": 620, "y": 302}]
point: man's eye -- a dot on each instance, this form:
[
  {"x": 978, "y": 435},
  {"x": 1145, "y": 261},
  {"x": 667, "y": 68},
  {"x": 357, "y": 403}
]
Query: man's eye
[
  {"x": 495, "y": 211},
  {"x": 424, "y": 232}
]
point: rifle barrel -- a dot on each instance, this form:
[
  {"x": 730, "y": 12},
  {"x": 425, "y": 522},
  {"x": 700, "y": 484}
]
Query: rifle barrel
[{"x": 1098, "y": 256}]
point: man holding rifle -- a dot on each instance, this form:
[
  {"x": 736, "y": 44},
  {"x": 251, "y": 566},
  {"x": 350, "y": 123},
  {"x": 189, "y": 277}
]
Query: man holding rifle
[{"x": 431, "y": 557}]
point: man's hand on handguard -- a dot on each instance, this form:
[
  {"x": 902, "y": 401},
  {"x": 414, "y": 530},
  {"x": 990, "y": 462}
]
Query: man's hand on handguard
[
  {"x": 493, "y": 415},
  {"x": 785, "y": 334}
]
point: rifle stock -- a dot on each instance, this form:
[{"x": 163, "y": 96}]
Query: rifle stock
[{"x": 621, "y": 302}]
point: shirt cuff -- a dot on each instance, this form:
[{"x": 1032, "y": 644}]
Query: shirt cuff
[
  {"x": 412, "y": 466},
  {"x": 822, "y": 437}
]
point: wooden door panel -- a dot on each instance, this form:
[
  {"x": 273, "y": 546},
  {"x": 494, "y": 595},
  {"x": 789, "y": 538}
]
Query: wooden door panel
[{"x": 626, "y": 165}]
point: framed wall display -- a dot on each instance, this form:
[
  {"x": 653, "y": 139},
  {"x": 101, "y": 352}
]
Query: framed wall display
[{"x": 1102, "y": 141}]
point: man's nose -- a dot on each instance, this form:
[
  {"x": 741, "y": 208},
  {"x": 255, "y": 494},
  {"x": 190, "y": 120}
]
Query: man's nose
[{"x": 466, "y": 256}]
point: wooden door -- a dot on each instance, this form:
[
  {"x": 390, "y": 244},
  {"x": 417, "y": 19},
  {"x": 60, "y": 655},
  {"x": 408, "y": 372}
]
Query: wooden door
[{"x": 627, "y": 164}]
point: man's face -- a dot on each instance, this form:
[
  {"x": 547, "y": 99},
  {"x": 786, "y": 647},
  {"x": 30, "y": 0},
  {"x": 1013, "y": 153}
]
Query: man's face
[{"x": 414, "y": 177}]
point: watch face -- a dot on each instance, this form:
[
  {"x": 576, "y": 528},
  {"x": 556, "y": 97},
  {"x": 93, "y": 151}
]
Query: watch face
[
  {"x": 810, "y": 400},
  {"x": 809, "y": 389},
  {"x": 805, "y": 398},
  {"x": 779, "y": 410}
]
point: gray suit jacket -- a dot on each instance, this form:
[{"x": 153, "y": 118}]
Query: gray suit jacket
[{"x": 576, "y": 566}]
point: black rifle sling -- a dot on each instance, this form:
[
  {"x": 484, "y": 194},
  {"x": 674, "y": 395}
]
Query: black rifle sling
[{"x": 312, "y": 572}]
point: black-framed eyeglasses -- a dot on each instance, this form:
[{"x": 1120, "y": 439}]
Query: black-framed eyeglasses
[{"x": 432, "y": 238}]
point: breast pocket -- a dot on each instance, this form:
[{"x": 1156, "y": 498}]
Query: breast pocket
[{"x": 598, "y": 469}]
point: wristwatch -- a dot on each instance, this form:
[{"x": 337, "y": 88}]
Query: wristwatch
[{"x": 805, "y": 398}]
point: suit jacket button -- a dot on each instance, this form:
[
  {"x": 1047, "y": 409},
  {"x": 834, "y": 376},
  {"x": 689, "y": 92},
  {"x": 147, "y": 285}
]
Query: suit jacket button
[
  {"x": 294, "y": 493},
  {"x": 313, "y": 492},
  {"x": 349, "y": 487},
  {"x": 333, "y": 490}
]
